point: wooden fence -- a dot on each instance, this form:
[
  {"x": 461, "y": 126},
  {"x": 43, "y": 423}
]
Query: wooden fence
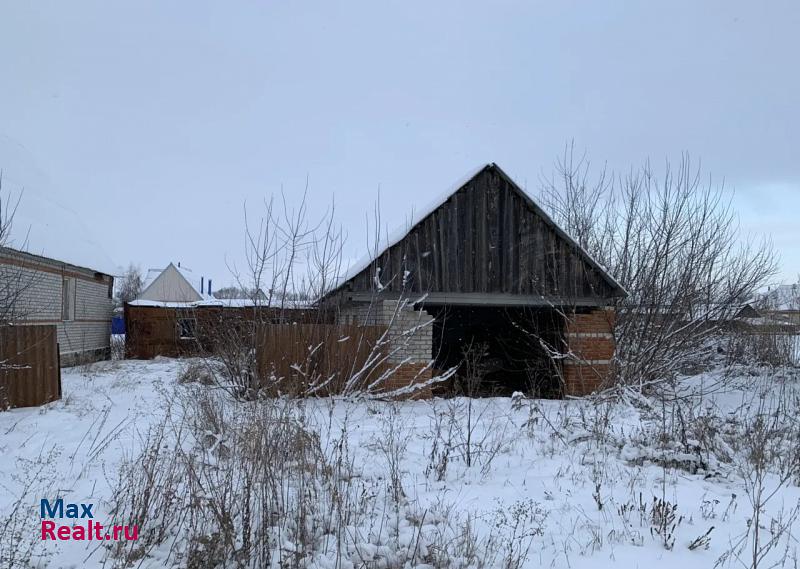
[
  {"x": 320, "y": 359},
  {"x": 29, "y": 366},
  {"x": 153, "y": 331}
]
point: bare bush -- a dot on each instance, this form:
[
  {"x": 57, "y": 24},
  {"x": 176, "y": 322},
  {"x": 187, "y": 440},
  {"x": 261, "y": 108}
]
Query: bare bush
[
  {"x": 17, "y": 548},
  {"x": 672, "y": 241},
  {"x": 770, "y": 344},
  {"x": 149, "y": 487},
  {"x": 117, "y": 347},
  {"x": 767, "y": 460},
  {"x": 20, "y": 543},
  {"x": 15, "y": 280},
  {"x": 465, "y": 431},
  {"x": 392, "y": 445},
  {"x": 521, "y": 522},
  {"x": 478, "y": 438},
  {"x": 293, "y": 261},
  {"x": 130, "y": 285},
  {"x": 248, "y": 484},
  {"x": 442, "y": 435},
  {"x": 9, "y": 289},
  {"x": 196, "y": 372}
]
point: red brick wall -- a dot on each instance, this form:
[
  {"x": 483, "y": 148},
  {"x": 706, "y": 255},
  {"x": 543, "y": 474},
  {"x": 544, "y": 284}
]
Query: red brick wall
[
  {"x": 582, "y": 380},
  {"x": 600, "y": 320},
  {"x": 595, "y": 347},
  {"x": 409, "y": 374},
  {"x": 591, "y": 346}
]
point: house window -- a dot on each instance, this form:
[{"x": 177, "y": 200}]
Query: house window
[
  {"x": 187, "y": 328},
  {"x": 68, "y": 299}
]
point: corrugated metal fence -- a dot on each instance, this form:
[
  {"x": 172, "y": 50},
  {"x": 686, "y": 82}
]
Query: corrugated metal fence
[{"x": 29, "y": 366}]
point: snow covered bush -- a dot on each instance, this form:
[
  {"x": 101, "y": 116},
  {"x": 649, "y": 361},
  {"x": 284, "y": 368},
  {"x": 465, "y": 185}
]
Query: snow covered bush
[
  {"x": 195, "y": 371},
  {"x": 774, "y": 344},
  {"x": 212, "y": 481},
  {"x": 228, "y": 483},
  {"x": 20, "y": 543}
]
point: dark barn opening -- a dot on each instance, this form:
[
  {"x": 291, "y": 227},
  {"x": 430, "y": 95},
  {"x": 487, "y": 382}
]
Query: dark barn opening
[{"x": 511, "y": 341}]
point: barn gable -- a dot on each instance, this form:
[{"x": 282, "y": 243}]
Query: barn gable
[{"x": 488, "y": 243}]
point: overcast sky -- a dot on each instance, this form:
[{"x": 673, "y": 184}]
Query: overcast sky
[{"x": 155, "y": 121}]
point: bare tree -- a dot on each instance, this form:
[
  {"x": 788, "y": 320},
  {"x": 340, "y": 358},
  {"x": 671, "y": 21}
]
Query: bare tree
[
  {"x": 470, "y": 384},
  {"x": 672, "y": 240},
  {"x": 235, "y": 292},
  {"x": 293, "y": 260},
  {"x": 130, "y": 285},
  {"x": 14, "y": 278},
  {"x": 296, "y": 260}
]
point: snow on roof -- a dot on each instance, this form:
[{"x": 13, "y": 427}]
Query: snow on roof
[
  {"x": 191, "y": 278},
  {"x": 42, "y": 224},
  {"x": 226, "y": 303},
  {"x": 417, "y": 216},
  {"x": 399, "y": 232},
  {"x": 767, "y": 321},
  {"x": 782, "y": 297},
  {"x": 152, "y": 274}
]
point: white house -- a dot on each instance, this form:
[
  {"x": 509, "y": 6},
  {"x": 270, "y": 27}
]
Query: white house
[
  {"x": 174, "y": 284},
  {"x": 782, "y": 303},
  {"x": 49, "y": 291}
]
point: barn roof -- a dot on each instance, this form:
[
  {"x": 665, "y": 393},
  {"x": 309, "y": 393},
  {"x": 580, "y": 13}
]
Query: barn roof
[{"x": 615, "y": 289}]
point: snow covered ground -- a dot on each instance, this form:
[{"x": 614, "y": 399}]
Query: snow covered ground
[{"x": 580, "y": 484}]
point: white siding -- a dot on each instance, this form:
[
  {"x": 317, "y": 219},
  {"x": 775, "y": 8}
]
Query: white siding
[
  {"x": 80, "y": 336},
  {"x": 41, "y": 292},
  {"x": 41, "y": 301},
  {"x": 170, "y": 286},
  {"x": 92, "y": 301}
]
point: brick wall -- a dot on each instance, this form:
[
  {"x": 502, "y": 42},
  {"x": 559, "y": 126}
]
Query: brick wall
[
  {"x": 410, "y": 332},
  {"x": 410, "y": 335},
  {"x": 411, "y": 373},
  {"x": 362, "y": 314},
  {"x": 591, "y": 348}
]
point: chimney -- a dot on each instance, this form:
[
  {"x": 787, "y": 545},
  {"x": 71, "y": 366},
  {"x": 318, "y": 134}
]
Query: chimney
[
  {"x": 209, "y": 287},
  {"x": 202, "y": 287}
]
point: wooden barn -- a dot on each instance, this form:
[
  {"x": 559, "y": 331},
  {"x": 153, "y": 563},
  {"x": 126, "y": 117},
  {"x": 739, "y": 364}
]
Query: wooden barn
[{"x": 491, "y": 269}]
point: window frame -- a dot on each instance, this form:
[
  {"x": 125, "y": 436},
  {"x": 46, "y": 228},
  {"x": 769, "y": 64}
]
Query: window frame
[
  {"x": 68, "y": 299},
  {"x": 180, "y": 327}
]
